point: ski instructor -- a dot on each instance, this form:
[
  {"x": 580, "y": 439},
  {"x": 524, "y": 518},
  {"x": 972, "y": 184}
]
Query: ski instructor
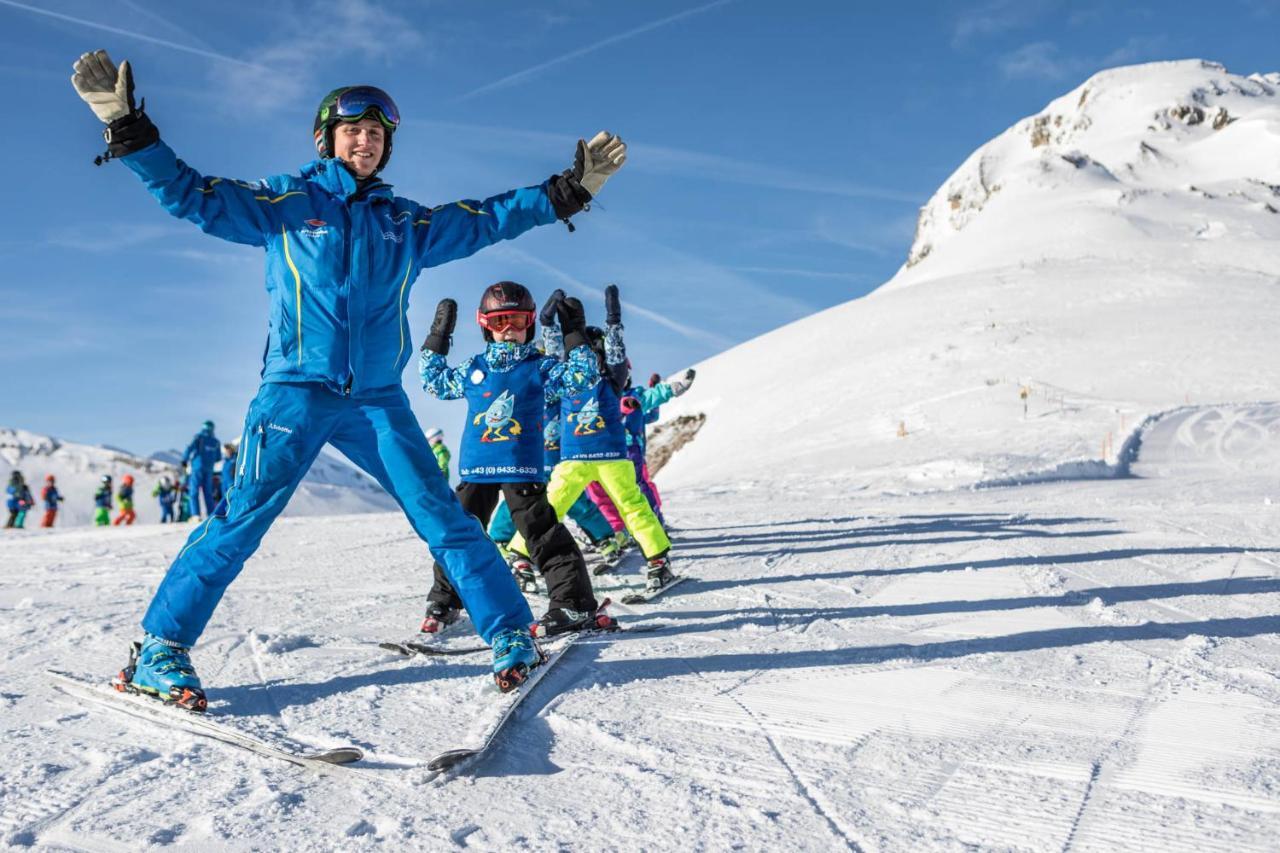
[{"x": 342, "y": 253}]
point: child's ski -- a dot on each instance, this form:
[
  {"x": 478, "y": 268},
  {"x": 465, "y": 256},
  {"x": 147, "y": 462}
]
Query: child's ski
[
  {"x": 503, "y": 707},
  {"x": 409, "y": 648},
  {"x": 153, "y": 710},
  {"x": 641, "y": 596}
]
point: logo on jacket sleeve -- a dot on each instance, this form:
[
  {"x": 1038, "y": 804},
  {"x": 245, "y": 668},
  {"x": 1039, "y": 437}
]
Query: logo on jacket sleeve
[{"x": 497, "y": 418}]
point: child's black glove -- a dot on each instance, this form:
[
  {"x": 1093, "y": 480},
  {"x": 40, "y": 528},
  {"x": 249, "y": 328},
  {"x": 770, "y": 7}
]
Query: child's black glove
[
  {"x": 573, "y": 322},
  {"x": 442, "y": 327},
  {"x": 612, "y": 306}
]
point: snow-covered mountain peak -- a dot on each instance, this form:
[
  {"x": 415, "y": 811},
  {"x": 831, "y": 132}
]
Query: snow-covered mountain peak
[{"x": 1090, "y": 166}]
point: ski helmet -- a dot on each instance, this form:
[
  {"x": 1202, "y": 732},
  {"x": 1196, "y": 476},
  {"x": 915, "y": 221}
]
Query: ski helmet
[
  {"x": 48, "y": 478},
  {"x": 350, "y": 104},
  {"x": 106, "y": 478},
  {"x": 208, "y": 426},
  {"x": 434, "y": 433},
  {"x": 127, "y": 479},
  {"x": 507, "y": 297}
]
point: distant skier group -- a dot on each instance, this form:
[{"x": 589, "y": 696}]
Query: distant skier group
[
  {"x": 342, "y": 253},
  {"x": 179, "y": 498}
]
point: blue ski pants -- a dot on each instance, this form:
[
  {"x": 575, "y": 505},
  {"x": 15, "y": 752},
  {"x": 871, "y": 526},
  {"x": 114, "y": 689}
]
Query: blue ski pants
[
  {"x": 201, "y": 480},
  {"x": 502, "y": 528},
  {"x": 287, "y": 426}
]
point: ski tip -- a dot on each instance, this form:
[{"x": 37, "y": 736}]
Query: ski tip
[
  {"x": 341, "y": 755},
  {"x": 452, "y": 758},
  {"x": 398, "y": 648}
]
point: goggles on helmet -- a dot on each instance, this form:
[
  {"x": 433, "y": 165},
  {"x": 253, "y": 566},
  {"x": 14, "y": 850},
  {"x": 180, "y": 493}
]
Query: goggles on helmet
[
  {"x": 357, "y": 103},
  {"x": 500, "y": 321}
]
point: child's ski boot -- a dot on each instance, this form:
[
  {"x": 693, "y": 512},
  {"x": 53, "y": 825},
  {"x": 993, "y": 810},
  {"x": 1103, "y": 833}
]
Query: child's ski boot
[
  {"x": 562, "y": 620},
  {"x": 659, "y": 574},
  {"x": 514, "y": 654},
  {"x": 624, "y": 540},
  {"x": 609, "y": 552},
  {"x": 162, "y": 671},
  {"x": 439, "y": 616},
  {"x": 522, "y": 568}
]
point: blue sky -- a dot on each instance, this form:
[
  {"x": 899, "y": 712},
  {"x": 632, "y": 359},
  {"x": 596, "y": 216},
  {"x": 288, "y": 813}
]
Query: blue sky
[{"x": 779, "y": 152}]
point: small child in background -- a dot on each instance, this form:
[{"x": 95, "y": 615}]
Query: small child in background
[
  {"x": 102, "y": 502},
  {"x": 125, "y": 497}
]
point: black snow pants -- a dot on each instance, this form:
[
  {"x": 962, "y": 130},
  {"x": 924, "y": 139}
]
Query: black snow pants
[{"x": 551, "y": 546}]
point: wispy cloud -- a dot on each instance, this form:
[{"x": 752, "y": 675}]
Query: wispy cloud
[
  {"x": 294, "y": 58},
  {"x": 678, "y": 162},
  {"x": 106, "y": 28},
  {"x": 996, "y": 17},
  {"x": 1044, "y": 59},
  {"x": 581, "y": 288},
  {"x": 519, "y": 76},
  {"x": 796, "y": 272}
]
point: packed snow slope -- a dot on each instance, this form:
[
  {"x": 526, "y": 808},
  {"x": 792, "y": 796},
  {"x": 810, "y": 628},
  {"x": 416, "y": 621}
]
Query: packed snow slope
[
  {"x": 1112, "y": 256},
  {"x": 1070, "y": 666},
  {"x": 330, "y": 487}
]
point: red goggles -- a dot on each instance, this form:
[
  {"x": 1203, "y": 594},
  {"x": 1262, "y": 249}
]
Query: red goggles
[{"x": 500, "y": 321}]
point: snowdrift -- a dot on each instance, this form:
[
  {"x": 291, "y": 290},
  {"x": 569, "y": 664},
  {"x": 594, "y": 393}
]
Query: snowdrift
[
  {"x": 330, "y": 488},
  {"x": 1106, "y": 259}
]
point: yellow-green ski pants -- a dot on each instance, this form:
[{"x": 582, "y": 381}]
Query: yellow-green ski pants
[{"x": 618, "y": 477}]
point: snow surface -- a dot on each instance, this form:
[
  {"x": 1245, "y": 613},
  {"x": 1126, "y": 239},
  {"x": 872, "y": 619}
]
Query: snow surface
[
  {"x": 331, "y": 486},
  {"x": 1072, "y": 665},
  {"x": 1107, "y": 256},
  {"x": 868, "y": 656}
]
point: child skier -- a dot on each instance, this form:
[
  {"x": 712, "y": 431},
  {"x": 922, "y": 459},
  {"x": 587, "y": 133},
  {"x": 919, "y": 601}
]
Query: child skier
[
  {"x": 593, "y": 446},
  {"x": 19, "y": 500},
  {"x": 51, "y": 497},
  {"x": 165, "y": 492},
  {"x": 506, "y": 388},
  {"x": 639, "y": 406},
  {"x": 227, "y": 473},
  {"x": 342, "y": 250},
  {"x": 102, "y": 502},
  {"x": 125, "y": 497},
  {"x": 435, "y": 437}
]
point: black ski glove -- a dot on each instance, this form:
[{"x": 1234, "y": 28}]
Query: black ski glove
[
  {"x": 442, "y": 327},
  {"x": 548, "y": 315},
  {"x": 612, "y": 306},
  {"x": 573, "y": 322}
]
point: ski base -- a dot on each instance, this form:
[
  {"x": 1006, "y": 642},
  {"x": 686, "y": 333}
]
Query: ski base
[
  {"x": 505, "y": 705},
  {"x": 647, "y": 595},
  {"x": 154, "y": 710}
]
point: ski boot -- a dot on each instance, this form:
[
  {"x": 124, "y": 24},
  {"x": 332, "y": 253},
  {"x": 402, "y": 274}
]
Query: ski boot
[
  {"x": 563, "y": 620},
  {"x": 439, "y": 616},
  {"x": 625, "y": 541},
  {"x": 162, "y": 671},
  {"x": 659, "y": 574},
  {"x": 522, "y": 568},
  {"x": 514, "y": 654},
  {"x": 609, "y": 552}
]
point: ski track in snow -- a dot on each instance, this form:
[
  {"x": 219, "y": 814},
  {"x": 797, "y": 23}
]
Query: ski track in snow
[{"x": 1064, "y": 666}]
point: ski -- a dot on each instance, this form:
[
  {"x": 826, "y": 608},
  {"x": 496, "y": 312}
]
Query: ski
[
  {"x": 504, "y": 707},
  {"x": 644, "y": 596},
  {"x": 153, "y": 710},
  {"x": 409, "y": 648}
]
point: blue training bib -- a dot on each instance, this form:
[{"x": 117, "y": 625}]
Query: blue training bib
[
  {"x": 591, "y": 425},
  {"x": 502, "y": 438}
]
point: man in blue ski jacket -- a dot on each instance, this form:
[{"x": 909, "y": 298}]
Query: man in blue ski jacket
[
  {"x": 342, "y": 251},
  {"x": 202, "y": 456}
]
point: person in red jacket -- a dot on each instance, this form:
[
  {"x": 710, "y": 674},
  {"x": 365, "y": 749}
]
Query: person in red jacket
[{"x": 49, "y": 494}]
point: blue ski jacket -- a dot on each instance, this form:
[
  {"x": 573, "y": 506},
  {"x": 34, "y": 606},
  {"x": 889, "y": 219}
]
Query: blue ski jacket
[
  {"x": 340, "y": 258},
  {"x": 203, "y": 452}
]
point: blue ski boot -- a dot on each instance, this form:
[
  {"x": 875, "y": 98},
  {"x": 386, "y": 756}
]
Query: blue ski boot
[
  {"x": 514, "y": 654},
  {"x": 164, "y": 672}
]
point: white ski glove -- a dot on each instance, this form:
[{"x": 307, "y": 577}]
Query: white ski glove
[
  {"x": 107, "y": 91},
  {"x": 681, "y": 384},
  {"x": 596, "y": 161}
]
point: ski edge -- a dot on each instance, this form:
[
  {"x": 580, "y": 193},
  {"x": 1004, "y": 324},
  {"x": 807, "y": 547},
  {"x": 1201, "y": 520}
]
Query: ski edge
[
  {"x": 645, "y": 597},
  {"x": 105, "y": 696},
  {"x": 453, "y": 758}
]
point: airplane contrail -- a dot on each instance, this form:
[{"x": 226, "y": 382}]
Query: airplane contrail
[
  {"x": 120, "y": 32},
  {"x": 529, "y": 72}
]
